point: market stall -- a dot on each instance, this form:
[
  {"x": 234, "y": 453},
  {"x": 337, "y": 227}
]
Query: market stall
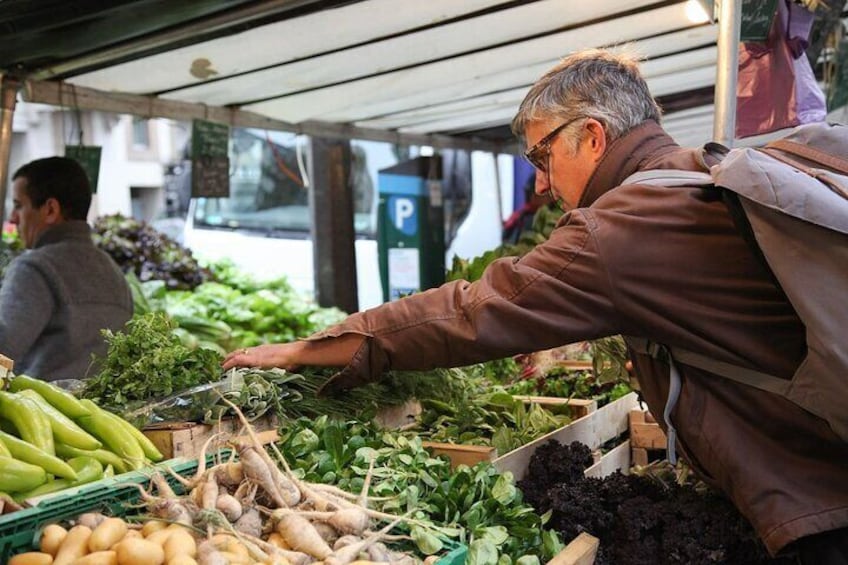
[{"x": 162, "y": 458}]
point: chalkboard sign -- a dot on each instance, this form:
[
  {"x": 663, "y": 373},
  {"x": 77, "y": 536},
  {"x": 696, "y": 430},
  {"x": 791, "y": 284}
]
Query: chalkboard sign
[
  {"x": 209, "y": 139},
  {"x": 88, "y": 156},
  {"x": 210, "y": 162},
  {"x": 210, "y": 177},
  {"x": 757, "y": 16}
]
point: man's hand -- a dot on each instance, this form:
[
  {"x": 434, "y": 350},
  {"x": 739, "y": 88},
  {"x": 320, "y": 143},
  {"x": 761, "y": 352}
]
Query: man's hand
[
  {"x": 282, "y": 355},
  {"x": 329, "y": 352}
]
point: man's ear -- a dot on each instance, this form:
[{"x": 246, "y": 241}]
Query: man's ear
[
  {"x": 597, "y": 138},
  {"x": 53, "y": 211}
]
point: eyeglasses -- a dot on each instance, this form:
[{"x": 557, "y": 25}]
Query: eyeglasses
[{"x": 538, "y": 154}]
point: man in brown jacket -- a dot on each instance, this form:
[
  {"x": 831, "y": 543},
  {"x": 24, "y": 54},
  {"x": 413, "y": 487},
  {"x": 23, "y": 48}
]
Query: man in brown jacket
[{"x": 661, "y": 263}]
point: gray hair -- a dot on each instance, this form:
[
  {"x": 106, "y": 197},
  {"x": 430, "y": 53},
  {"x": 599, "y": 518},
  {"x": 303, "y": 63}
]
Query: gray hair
[{"x": 595, "y": 83}]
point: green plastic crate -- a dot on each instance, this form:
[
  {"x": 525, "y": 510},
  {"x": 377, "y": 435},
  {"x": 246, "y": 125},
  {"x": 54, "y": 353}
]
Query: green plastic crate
[
  {"x": 19, "y": 531},
  {"x": 455, "y": 556}
]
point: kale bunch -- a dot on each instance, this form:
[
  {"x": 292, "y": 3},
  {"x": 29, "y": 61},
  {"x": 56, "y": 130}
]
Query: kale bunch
[{"x": 137, "y": 247}]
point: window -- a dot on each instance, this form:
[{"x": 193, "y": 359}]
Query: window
[
  {"x": 141, "y": 140},
  {"x": 267, "y": 192},
  {"x": 140, "y": 134}
]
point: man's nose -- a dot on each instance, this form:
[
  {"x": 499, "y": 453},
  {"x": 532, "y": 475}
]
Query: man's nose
[{"x": 542, "y": 186}]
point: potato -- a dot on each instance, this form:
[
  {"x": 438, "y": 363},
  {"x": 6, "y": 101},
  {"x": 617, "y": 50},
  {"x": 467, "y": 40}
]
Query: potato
[
  {"x": 133, "y": 534},
  {"x": 31, "y": 558},
  {"x": 160, "y": 537},
  {"x": 74, "y": 546},
  {"x": 51, "y": 538},
  {"x": 152, "y": 526},
  {"x": 231, "y": 545},
  {"x": 134, "y": 551},
  {"x": 180, "y": 542},
  {"x": 182, "y": 560},
  {"x": 98, "y": 558},
  {"x": 108, "y": 533}
]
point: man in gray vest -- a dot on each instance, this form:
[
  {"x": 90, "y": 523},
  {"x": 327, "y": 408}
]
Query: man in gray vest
[{"x": 58, "y": 296}]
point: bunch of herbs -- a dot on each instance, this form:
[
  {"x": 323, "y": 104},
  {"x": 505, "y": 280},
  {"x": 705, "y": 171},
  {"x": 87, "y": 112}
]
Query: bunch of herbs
[{"x": 147, "y": 361}]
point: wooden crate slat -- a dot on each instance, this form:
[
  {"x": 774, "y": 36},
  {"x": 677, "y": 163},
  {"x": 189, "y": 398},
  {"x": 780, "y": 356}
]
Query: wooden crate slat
[
  {"x": 617, "y": 458},
  {"x": 593, "y": 430},
  {"x": 462, "y": 454},
  {"x": 645, "y": 434},
  {"x": 579, "y": 406},
  {"x": 581, "y": 551},
  {"x": 185, "y": 439}
]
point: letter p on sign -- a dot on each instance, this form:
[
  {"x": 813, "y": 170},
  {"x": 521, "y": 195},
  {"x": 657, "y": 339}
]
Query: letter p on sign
[
  {"x": 403, "y": 214},
  {"x": 404, "y": 209}
]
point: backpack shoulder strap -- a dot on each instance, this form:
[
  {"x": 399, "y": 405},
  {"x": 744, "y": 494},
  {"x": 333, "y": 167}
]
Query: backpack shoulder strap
[
  {"x": 818, "y": 156},
  {"x": 779, "y": 152}
]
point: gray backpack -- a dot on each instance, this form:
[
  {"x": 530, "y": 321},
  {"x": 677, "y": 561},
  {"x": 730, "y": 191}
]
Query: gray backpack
[{"x": 790, "y": 199}]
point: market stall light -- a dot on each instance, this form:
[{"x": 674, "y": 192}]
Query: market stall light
[{"x": 698, "y": 11}]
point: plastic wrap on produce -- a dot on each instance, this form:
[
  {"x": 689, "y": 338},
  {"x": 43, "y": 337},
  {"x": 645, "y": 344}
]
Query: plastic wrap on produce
[{"x": 255, "y": 391}]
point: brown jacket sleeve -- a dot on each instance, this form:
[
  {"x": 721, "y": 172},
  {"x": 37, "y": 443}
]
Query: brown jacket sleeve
[{"x": 556, "y": 294}]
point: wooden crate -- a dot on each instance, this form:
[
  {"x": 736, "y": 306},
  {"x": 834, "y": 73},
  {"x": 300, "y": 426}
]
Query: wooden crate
[
  {"x": 462, "y": 454},
  {"x": 593, "y": 430},
  {"x": 472, "y": 454},
  {"x": 6, "y": 367},
  {"x": 581, "y": 551},
  {"x": 185, "y": 439},
  {"x": 646, "y": 437},
  {"x": 578, "y": 407}
]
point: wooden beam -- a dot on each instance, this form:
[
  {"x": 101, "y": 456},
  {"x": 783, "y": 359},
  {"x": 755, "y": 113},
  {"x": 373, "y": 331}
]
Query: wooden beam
[
  {"x": 8, "y": 95},
  {"x": 333, "y": 235},
  {"x": 58, "y": 93}
]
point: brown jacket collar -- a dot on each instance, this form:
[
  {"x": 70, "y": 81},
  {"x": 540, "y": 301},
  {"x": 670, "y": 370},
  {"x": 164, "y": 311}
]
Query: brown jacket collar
[{"x": 625, "y": 156}]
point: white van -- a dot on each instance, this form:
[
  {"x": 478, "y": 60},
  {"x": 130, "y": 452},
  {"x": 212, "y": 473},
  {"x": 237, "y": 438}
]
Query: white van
[{"x": 264, "y": 226}]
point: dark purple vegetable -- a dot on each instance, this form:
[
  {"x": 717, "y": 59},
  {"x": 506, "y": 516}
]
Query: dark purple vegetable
[{"x": 638, "y": 519}]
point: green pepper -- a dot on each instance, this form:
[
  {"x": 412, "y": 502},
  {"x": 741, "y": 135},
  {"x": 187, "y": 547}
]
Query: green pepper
[
  {"x": 62, "y": 400},
  {"x": 32, "y": 424},
  {"x": 98, "y": 423},
  {"x": 102, "y": 455},
  {"x": 150, "y": 450},
  {"x": 16, "y": 476},
  {"x": 64, "y": 429},
  {"x": 87, "y": 469},
  {"x": 28, "y": 453},
  {"x": 4, "y": 451}
]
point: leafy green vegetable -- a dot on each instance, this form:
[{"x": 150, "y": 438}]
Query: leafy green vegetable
[
  {"x": 482, "y": 552},
  {"x": 571, "y": 384},
  {"x": 478, "y": 414},
  {"x": 236, "y": 311},
  {"x": 147, "y": 361},
  {"x": 472, "y": 503},
  {"x": 10, "y": 247}
]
